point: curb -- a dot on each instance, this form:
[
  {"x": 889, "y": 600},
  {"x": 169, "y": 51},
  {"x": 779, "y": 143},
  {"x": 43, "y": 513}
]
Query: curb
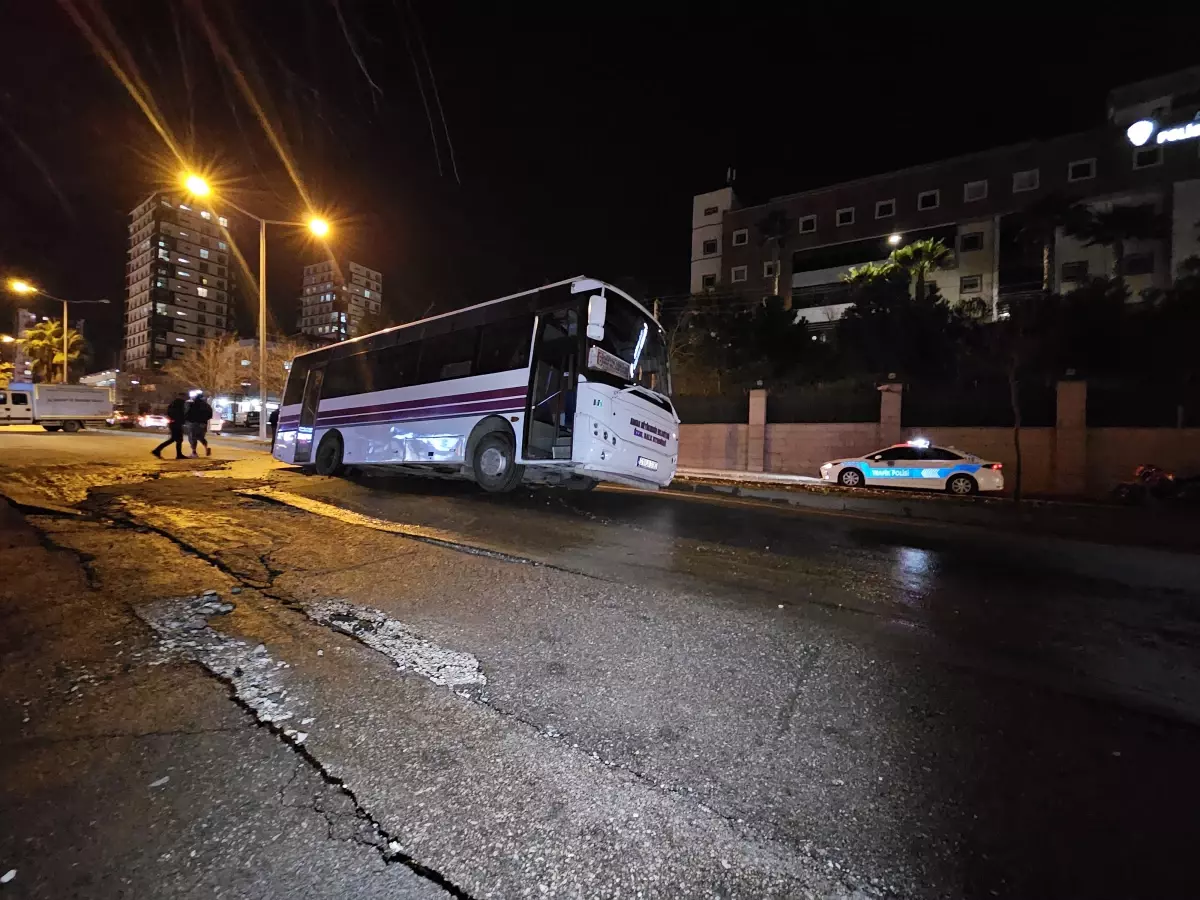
[{"x": 1129, "y": 564}]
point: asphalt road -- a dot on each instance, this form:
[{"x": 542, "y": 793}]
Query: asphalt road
[{"x": 423, "y": 689}]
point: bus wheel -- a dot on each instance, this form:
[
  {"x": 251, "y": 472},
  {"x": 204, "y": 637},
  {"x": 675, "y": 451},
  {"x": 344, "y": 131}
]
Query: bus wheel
[
  {"x": 70, "y": 427},
  {"x": 495, "y": 463},
  {"x": 329, "y": 455}
]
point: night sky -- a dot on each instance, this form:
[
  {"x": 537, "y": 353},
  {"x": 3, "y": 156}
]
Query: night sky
[{"x": 578, "y": 140}]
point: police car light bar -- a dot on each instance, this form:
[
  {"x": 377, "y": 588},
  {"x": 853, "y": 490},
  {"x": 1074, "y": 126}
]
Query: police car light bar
[{"x": 920, "y": 443}]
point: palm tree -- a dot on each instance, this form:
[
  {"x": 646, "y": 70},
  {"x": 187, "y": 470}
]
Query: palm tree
[
  {"x": 1040, "y": 222},
  {"x": 775, "y": 229},
  {"x": 1113, "y": 227},
  {"x": 6, "y": 374},
  {"x": 918, "y": 259},
  {"x": 868, "y": 275},
  {"x": 43, "y": 344}
]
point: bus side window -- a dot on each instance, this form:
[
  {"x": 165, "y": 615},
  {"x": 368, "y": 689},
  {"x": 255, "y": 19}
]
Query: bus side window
[
  {"x": 295, "y": 382},
  {"x": 394, "y": 367},
  {"x": 446, "y": 356},
  {"x": 504, "y": 346}
]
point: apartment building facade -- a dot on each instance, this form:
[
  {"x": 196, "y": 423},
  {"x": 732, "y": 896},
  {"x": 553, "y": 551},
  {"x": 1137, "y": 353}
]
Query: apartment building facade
[
  {"x": 971, "y": 203},
  {"x": 336, "y": 298},
  {"x": 178, "y": 280}
]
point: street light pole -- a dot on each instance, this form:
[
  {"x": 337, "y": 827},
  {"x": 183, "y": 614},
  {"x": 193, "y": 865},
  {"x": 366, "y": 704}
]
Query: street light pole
[
  {"x": 262, "y": 329},
  {"x": 18, "y": 286},
  {"x": 197, "y": 186}
]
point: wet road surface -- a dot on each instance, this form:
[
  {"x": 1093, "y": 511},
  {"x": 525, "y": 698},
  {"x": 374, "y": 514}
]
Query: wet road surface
[{"x": 683, "y": 695}]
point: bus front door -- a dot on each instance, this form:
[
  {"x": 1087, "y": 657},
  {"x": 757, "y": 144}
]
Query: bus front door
[
  {"x": 308, "y": 414},
  {"x": 554, "y": 378}
]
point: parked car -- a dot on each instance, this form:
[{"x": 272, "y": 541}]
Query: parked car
[
  {"x": 152, "y": 420},
  {"x": 120, "y": 419},
  {"x": 917, "y": 464}
]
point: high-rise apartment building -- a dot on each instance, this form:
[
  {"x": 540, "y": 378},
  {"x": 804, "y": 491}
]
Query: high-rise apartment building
[
  {"x": 22, "y": 363},
  {"x": 335, "y": 298},
  {"x": 178, "y": 281}
]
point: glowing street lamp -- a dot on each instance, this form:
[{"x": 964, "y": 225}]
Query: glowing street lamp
[
  {"x": 6, "y": 338},
  {"x": 19, "y": 286},
  {"x": 895, "y": 239},
  {"x": 198, "y": 187}
]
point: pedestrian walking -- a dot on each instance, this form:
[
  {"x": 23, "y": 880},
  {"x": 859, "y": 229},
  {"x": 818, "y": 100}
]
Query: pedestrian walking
[
  {"x": 176, "y": 413},
  {"x": 198, "y": 413},
  {"x": 273, "y": 421}
]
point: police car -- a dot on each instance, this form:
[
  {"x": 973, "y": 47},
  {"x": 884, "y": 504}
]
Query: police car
[{"x": 917, "y": 464}]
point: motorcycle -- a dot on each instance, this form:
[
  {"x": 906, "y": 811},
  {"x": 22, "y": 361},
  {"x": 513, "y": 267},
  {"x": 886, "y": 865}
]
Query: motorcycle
[{"x": 1154, "y": 484}]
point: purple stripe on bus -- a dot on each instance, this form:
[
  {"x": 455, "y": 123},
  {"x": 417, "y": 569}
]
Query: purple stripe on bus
[
  {"x": 427, "y": 403},
  {"x": 399, "y": 421},
  {"x": 413, "y": 415},
  {"x": 473, "y": 397}
]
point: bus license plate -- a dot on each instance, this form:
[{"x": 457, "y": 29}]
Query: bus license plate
[{"x": 650, "y": 464}]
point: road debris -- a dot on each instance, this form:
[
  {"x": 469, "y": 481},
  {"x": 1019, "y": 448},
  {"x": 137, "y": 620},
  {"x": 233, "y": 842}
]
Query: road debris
[{"x": 391, "y": 638}]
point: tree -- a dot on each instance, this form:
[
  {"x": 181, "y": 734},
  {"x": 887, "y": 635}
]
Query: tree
[
  {"x": 1113, "y": 227},
  {"x": 43, "y": 344},
  {"x": 280, "y": 354},
  {"x": 1040, "y": 223},
  {"x": 775, "y": 229},
  {"x": 375, "y": 321},
  {"x": 889, "y": 330},
  {"x": 6, "y": 374},
  {"x": 918, "y": 259},
  {"x": 213, "y": 367}
]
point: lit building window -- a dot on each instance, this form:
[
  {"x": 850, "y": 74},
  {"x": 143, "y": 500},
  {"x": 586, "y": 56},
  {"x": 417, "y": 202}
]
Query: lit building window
[
  {"x": 204, "y": 254},
  {"x": 203, "y": 292},
  {"x": 182, "y": 274},
  {"x": 206, "y": 214},
  {"x": 222, "y": 221}
]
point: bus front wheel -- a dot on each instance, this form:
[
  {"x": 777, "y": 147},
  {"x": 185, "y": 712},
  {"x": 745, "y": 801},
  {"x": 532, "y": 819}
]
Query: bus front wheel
[
  {"x": 329, "y": 455},
  {"x": 495, "y": 463}
]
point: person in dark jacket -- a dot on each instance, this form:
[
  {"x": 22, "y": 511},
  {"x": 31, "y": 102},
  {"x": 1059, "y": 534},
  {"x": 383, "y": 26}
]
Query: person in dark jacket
[
  {"x": 198, "y": 413},
  {"x": 273, "y": 422},
  {"x": 175, "y": 417}
]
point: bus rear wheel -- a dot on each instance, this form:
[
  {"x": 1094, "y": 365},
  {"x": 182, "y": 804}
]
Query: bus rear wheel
[
  {"x": 495, "y": 463},
  {"x": 329, "y": 455}
]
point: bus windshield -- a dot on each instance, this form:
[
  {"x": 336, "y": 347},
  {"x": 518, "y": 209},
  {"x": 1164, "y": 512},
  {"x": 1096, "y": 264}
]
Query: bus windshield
[{"x": 635, "y": 339}]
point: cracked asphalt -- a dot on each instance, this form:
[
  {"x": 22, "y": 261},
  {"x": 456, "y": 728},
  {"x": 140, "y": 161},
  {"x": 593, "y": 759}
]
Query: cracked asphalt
[{"x": 422, "y": 691}]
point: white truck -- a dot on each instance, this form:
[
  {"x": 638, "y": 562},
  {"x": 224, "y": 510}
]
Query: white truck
[{"x": 68, "y": 407}]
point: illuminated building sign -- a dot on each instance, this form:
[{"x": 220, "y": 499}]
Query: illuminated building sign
[{"x": 1140, "y": 132}]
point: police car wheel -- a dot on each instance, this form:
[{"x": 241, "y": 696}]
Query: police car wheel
[
  {"x": 961, "y": 485},
  {"x": 850, "y": 478}
]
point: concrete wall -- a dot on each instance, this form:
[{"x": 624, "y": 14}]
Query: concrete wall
[
  {"x": 1037, "y": 451},
  {"x": 1068, "y": 460},
  {"x": 1112, "y": 453},
  {"x": 799, "y": 448},
  {"x": 713, "y": 446}
]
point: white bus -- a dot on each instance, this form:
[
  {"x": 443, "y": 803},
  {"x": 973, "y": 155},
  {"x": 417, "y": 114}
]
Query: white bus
[{"x": 567, "y": 384}]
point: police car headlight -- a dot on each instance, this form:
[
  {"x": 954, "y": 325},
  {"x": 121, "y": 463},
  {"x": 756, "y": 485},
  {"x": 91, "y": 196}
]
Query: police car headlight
[{"x": 826, "y": 466}]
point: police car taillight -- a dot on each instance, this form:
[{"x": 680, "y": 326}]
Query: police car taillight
[{"x": 993, "y": 465}]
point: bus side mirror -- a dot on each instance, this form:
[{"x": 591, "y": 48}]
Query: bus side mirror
[{"x": 597, "y": 310}]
